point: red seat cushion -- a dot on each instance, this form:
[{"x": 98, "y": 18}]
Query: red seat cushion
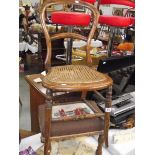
[
  {"x": 116, "y": 21},
  {"x": 119, "y": 2},
  {"x": 132, "y": 20},
  {"x": 70, "y": 18},
  {"x": 90, "y": 1}
]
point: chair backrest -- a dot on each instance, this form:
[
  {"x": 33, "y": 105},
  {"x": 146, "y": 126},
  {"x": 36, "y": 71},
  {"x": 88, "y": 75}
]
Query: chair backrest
[
  {"x": 128, "y": 3},
  {"x": 69, "y": 18}
]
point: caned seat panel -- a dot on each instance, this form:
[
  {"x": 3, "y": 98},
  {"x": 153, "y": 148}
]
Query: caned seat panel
[{"x": 75, "y": 78}]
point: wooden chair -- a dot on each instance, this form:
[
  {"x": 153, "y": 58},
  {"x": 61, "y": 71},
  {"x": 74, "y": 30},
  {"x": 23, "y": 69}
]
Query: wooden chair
[
  {"x": 116, "y": 22},
  {"x": 73, "y": 78}
]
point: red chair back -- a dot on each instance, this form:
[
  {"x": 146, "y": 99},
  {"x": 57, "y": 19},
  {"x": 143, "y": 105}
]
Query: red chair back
[
  {"x": 68, "y": 18},
  {"x": 90, "y": 1},
  {"x": 119, "y": 2}
]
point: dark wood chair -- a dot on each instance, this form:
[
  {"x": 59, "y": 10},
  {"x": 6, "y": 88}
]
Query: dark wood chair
[{"x": 73, "y": 78}]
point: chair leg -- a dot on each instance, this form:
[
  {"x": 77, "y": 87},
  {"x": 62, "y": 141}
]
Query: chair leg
[
  {"x": 84, "y": 94},
  {"x": 110, "y": 42},
  {"x": 100, "y": 145},
  {"x": 106, "y": 140},
  {"x": 47, "y": 147},
  {"x": 47, "y": 126},
  {"x": 107, "y": 113}
]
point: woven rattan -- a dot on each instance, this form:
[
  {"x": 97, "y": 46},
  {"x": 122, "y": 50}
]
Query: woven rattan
[{"x": 75, "y": 77}]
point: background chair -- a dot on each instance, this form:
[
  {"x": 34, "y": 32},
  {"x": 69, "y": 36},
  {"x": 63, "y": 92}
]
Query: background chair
[
  {"x": 67, "y": 57},
  {"x": 90, "y": 1},
  {"x": 73, "y": 78},
  {"x": 115, "y": 23}
]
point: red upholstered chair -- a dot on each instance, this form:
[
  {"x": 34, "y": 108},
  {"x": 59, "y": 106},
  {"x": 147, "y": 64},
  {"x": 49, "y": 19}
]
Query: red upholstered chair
[
  {"x": 81, "y": 20},
  {"x": 90, "y": 1},
  {"x": 68, "y": 18},
  {"x": 116, "y": 22}
]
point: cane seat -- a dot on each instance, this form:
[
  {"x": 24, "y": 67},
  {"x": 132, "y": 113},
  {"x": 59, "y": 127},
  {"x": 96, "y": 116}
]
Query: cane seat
[{"x": 75, "y": 78}]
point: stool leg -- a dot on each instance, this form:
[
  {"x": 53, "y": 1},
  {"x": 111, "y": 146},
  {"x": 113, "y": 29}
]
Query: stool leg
[
  {"x": 100, "y": 144},
  {"x": 110, "y": 42},
  {"x": 20, "y": 101}
]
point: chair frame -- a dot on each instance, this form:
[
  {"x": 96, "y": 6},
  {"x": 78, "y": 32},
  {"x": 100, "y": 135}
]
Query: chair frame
[{"x": 103, "y": 135}]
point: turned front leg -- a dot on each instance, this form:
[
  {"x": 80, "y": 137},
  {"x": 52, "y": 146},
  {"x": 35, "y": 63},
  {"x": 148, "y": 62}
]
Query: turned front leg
[
  {"x": 107, "y": 113},
  {"x": 47, "y": 146},
  {"x": 48, "y": 118},
  {"x": 100, "y": 144}
]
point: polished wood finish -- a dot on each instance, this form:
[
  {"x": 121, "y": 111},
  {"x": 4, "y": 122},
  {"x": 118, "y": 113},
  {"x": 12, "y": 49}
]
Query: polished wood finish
[
  {"x": 38, "y": 96},
  {"x": 100, "y": 144},
  {"x": 73, "y": 78},
  {"x": 47, "y": 146},
  {"x": 59, "y": 130},
  {"x": 25, "y": 133},
  {"x": 62, "y": 128},
  {"x": 68, "y": 35},
  {"x": 107, "y": 114}
]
